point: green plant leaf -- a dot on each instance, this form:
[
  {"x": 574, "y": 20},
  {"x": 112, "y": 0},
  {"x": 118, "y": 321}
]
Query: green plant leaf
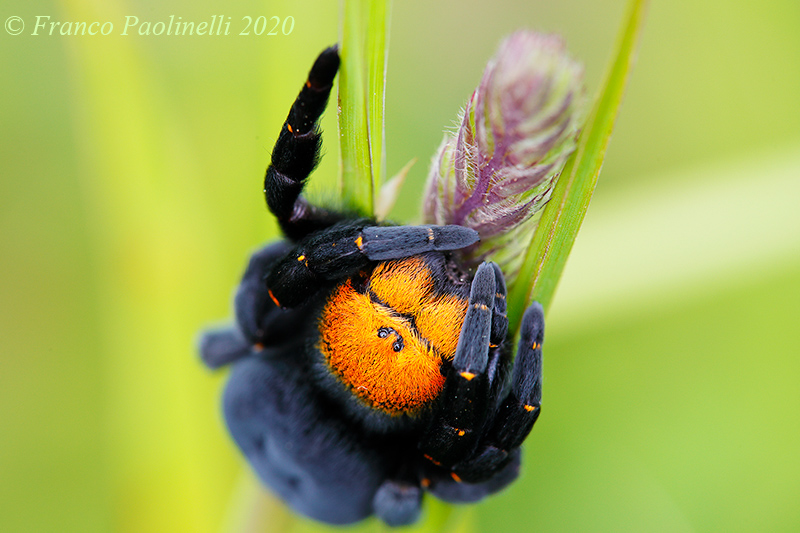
[
  {"x": 562, "y": 217},
  {"x": 377, "y": 51},
  {"x": 361, "y": 101}
]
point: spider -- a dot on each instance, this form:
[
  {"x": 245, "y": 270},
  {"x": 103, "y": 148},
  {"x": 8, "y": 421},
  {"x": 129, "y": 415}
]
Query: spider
[{"x": 368, "y": 366}]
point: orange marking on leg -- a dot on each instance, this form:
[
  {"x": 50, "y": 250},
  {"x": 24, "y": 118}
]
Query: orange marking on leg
[
  {"x": 454, "y": 476},
  {"x": 461, "y": 432},
  {"x": 308, "y": 84},
  {"x": 467, "y": 375},
  {"x": 300, "y": 257},
  {"x": 530, "y": 408},
  {"x": 536, "y": 346},
  {"x": 289, "y": 127},
  {"x": 360, "y": 242},
  {"x": 272, "y": 296},
  {"x": 434, "y": 461}
]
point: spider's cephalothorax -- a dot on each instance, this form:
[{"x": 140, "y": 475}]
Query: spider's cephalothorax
[{"x": 368, "y": 367}]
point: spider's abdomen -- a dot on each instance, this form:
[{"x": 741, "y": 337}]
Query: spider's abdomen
[{"x": 386, "y": 338}]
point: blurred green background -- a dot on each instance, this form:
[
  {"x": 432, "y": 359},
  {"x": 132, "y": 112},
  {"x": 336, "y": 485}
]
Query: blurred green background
[{"x": 130, "y": 178}]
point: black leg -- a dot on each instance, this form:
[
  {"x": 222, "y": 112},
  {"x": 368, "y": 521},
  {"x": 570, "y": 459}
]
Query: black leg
[
  {"x": 465, "y": 400},
  {"x": 523, "y": 404},
  {"x": 499, "y": 318},
  {"x": 261, "y": 322},
  {"x": 344, "y": 250},
  {"x": 450, "y": 488},
  {"x": 487, "y": 460},
  {"x": 499, "y": 355},
  {"x": 296, "y": 154},
  {"x": 518, "y": 411}
]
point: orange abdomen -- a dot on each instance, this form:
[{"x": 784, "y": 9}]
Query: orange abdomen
[{"x": 387, "y": 343}]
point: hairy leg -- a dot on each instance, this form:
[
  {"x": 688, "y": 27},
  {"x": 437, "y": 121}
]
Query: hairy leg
[{"x": 296, "y": 154}]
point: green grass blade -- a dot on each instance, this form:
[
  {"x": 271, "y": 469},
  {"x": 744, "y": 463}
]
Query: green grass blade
[
  {"x": 361, "y": 101},
  {"x": 562, "y": 217},
  {"x": 377, "y": 53},
  {"x": 356, "y": 166}
]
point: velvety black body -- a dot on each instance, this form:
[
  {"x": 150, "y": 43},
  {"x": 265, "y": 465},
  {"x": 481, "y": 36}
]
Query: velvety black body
[{"x": 326, "y": 452}]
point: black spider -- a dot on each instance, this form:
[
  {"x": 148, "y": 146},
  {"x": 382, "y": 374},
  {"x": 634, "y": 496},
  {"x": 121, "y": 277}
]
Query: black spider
[{"x": 368, "y": 366}]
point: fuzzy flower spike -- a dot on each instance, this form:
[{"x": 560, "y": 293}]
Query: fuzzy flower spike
[{"x": 497, "y": 171}]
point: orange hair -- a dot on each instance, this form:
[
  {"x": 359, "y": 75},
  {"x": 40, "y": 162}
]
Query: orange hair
[{"x": 424, "y": 325}]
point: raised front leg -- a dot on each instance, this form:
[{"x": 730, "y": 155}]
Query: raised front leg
[{"x": 296, "y": 154}]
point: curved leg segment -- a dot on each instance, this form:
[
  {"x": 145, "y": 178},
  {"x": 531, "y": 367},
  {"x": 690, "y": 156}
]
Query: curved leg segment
[
  {"x": 482, "y": 418},
  {"x": 462, "y": 491},
  {"x": 522, "y": 406},
  {"x": 464, "y": 402},
  {"x": 343, "y": 251},
  {"x": 260, "y": 320},
  {"x": 296, "y": 154},
  {"x": 518, "y": 411}
]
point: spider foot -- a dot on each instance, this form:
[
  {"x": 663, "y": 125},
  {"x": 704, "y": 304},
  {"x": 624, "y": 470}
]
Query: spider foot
[
  {"x": 398, "y": 503},
  {"x": 454, "y": 489},
  {"x": 483, "y": 466},
  {"x": 219, "y": 347}
]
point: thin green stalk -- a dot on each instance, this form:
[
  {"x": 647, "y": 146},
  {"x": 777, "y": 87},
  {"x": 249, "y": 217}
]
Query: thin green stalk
[
  {"x": 562, "y": 217},
  {"x": 361, "y": 101},
  {"x": 377, "y": 52}
]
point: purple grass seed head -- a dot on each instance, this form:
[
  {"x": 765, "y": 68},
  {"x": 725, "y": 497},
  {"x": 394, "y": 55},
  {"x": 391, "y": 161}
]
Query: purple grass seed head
[{"x": 496, "y": 172}]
